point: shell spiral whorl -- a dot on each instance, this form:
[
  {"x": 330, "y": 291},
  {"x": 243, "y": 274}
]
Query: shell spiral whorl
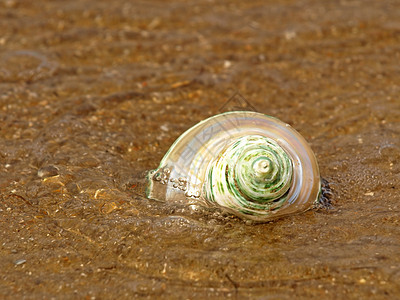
[{"x": 252, "y": 175}]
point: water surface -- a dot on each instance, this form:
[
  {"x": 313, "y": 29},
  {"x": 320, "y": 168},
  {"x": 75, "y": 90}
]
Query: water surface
[{"x": 93, "y": 93}]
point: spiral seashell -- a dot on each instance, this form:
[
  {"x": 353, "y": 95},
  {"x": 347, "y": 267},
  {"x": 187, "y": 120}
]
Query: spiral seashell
[{"x": 247, "y": 163}]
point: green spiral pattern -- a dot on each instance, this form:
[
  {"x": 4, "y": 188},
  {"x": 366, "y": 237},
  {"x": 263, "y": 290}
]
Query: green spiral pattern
[{"x": 252, "y": 175}]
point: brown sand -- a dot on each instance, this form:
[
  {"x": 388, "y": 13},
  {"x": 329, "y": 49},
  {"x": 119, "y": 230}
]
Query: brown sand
[{"x": 93, "y": 93}]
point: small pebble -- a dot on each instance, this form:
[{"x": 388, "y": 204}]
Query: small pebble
[
  {"x": 20, "y": 262},
  {"x": 48, "y": 171},
  {"x": 227, "y": 64}
]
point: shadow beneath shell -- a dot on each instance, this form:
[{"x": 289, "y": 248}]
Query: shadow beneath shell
[{"x": 326, "y": 196}]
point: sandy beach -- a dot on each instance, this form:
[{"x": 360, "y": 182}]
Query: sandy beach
[{"x": 93, "y": 94}]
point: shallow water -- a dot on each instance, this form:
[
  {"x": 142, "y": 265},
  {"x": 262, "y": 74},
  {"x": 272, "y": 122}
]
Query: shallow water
[{"x": 93, "y": 93}]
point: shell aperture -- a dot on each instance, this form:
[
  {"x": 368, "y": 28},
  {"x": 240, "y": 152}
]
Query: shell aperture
[{"x": 247, "y": 163}]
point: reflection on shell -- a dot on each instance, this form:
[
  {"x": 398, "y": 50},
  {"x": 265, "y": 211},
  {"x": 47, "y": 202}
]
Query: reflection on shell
[{"x": 247, "y": 163}]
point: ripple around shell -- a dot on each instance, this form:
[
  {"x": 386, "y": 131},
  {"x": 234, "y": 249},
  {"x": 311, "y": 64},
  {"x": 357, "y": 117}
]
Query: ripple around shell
[{"x": 183, "y": 175}]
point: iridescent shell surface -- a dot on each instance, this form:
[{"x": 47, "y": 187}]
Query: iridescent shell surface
[{"x": 246, "y": 163}]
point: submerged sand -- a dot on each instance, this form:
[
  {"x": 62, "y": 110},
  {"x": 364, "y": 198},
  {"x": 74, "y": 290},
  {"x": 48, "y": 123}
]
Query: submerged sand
[{"x": 93, "y": 93}]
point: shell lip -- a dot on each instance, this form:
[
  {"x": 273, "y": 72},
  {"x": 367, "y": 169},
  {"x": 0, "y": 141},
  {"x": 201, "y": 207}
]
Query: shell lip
[{"x": 202, "y": 122}]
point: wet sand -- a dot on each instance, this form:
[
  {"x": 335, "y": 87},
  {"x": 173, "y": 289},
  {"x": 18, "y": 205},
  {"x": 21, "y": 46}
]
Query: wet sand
[{"x": 93, "y": 93}]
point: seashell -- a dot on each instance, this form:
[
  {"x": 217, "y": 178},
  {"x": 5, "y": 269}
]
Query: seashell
[{"x": 247, "y": 163}]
